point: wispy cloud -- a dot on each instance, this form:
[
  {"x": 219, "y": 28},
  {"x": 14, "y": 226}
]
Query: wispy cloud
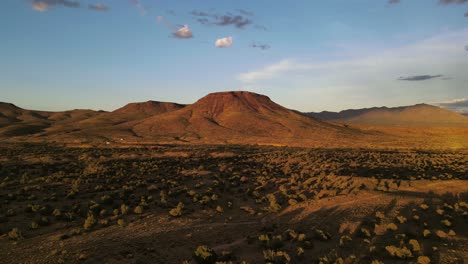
[
  {"x": 181, "y": 32},
  {"x": 239, "y": 20},
  {"x": 224, "y": 42},
  {"x": 269, "y": 72},
  {"x": 442, "y": 2},
  {"x": 261, "y": 46},
  {"x": 419, "y": 77},
  {"x": 143, "y": 9},
  {"x": 245, "y": 12},
  {"x": 458, "y": 105},
  {"x": 98, "y": 7},
  {"x": 44, "y": 5},
  {"x": 448, "y": 2},
  {"x": 373, "y": 74}
]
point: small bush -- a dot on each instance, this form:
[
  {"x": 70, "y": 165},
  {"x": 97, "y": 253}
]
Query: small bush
[
  {"x": 205, "y": 255},
  {"x": 392, "y": 227},
  {"x": 402, "y": 253},
  {"x": 15, "y": 234},
  {"x": 278, "y": 257},
  {"x": 121, "y": 222},
  {"x": 415, "y": 247},
  {"x": 90, "y": 221},
  {"x": 138, "y": 210},
  {"x": 176, "y": 212},
  {"x": 424, "y": 260}
]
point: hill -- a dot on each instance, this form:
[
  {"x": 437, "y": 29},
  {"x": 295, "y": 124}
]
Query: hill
[
  {"x": 413, "y": 116},
  {"x": 79, "y": 123},
  {"x": 239, "y": 117}
]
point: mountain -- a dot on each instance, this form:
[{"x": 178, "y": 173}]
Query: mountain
[
  {"x": 239, "y": 117},
  {"x": 148, "y": 108},
  {"x": 414, "y": 116},
  {"x": 84, "y": 123}
]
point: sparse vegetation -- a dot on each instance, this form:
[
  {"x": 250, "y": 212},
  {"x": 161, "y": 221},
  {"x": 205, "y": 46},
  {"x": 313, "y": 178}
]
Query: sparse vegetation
[{"x": 278, "y": 205}]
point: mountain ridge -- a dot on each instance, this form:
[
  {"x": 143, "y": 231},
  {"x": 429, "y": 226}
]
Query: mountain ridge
[{"x": 413, "y": 115}]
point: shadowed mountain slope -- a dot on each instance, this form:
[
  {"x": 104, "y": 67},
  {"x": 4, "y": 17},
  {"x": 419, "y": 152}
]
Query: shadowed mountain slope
[{"x": 15, "y": 121}]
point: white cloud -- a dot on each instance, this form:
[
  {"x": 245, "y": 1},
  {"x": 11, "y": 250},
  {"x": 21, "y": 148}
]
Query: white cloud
[
  {"x": 44, "y": 5},
  {"x": 183, "y": 32},
  {"x": 458, "y": 105},
  {"x": 40, "y": 6},
  {"x": 453, "y": 101},
  {"x": 224, "y": 42}
]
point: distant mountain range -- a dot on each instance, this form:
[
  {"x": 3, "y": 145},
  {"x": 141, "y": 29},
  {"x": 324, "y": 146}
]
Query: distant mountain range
[
  {"x": 415, "y": 115},
  {"x": 226, "y": 117}
]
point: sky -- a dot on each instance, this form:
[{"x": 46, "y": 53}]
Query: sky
[{"x": 305, "y": 55}]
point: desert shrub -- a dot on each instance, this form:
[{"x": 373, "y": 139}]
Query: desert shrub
[
  {"x": 106, "y": 199},
  {"x": 364, "y": 232},
  {"x": 44, "y": 221},
  {"x": 426, "y": 233},
  {"x": 121, "y": 222},
  {"x": 401, "y": 219},
  {"x": 138, "y": 209},
  {"x": 124, "y": 209},
  {"x": 401, "y": 253},
  {"x": 15, "y": 234},
  {"x": 446, "y": 223},
  {"x": 321, "y": 235},
  {"x": 276, "y": 257},
  {"x": 103, "y": 222},
  {"x": 34, "y": 225},
  {"x": 424, "y": 206},
  {"x": 264, "y": 239},
  {"x": 273, "y": 205},
  {"x": 345, "y": 240},
  {"x": 379, "y": 215},
  {"x": 248, "y": 209},
  {"x": 414, "y": 244},
  {"x": 10, "y": 212},
  {"x": 205, "y": 255},
  {"x": 57, "y": 213},
  {"x": 391, "y": 227},
  {"x": 90, "y": 221},
  {"x": 301, "y": 237},
  {"x": 424, "y": 260},
  {"x": 290, "y": 234},
  {"x": 177, "y": 211}
]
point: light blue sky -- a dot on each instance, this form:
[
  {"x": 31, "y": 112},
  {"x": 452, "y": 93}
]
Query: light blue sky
[{"x": 323, "y": 55}]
